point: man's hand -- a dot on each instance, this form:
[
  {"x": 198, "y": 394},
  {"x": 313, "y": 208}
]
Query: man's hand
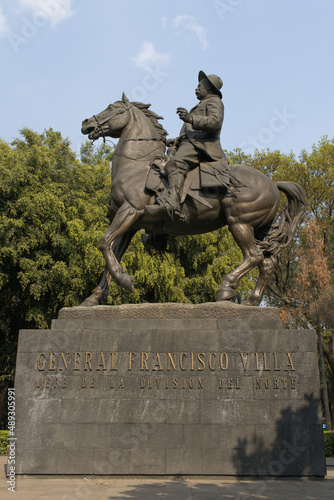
[
  {"x": 170, "y": 143},
  {"x": 184, "y": 115}
]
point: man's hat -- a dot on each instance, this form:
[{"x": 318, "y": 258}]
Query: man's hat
[{"x": 215, "y": 81}]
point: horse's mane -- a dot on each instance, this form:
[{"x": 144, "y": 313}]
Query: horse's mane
[{"x": 153, "y": 117}]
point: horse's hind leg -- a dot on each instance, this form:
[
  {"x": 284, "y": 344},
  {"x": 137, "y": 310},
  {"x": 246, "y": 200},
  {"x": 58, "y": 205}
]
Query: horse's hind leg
[
  {"x": 101, "y": 291},
  {"x": 266, "y": 267},
  {"x": 243, "y": 235}
]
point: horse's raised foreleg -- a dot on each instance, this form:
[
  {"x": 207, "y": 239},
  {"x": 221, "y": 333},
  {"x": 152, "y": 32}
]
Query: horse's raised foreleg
[
  {"x": 122, "y": 223},
  {"x": 243, "y": 235},
  {"x": 101, "y": 291},
  {"x": 266, "y": 267}
]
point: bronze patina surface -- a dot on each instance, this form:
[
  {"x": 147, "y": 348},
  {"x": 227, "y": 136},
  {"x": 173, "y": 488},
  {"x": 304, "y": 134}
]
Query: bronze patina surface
[{"x": 244, "y": 199}]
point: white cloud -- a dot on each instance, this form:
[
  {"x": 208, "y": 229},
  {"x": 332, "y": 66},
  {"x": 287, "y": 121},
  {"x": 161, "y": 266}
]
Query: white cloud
[
  {"x": 3, "y": 24},
  {"x": 164, "y": 21},
  {"x": 191, "y": 24},
  {"x": 55, "y": 10},
  {"x": 148, "y": 56}
]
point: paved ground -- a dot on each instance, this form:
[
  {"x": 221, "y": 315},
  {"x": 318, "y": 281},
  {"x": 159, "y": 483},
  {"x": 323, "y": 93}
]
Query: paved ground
[{"x": 194, "y": 488}]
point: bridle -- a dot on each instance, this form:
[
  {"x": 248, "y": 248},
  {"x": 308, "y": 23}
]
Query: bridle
[
  {"x": 100, "y": 128},
  {"x": 100, "y": 124}
]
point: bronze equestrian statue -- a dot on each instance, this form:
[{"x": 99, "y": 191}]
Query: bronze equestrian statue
[{"x": 197, "y": 199}]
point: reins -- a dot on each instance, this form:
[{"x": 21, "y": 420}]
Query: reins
[
  {"x": 100, "y": 128},
  {"x": 99, "y": 124}
]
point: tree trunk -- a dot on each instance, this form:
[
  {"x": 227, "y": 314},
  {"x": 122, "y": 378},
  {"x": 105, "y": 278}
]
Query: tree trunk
[
  {"x": 324, "y": 381},
  {"x": 3, "y": 391},
  {"x": 329, "y": 357}
]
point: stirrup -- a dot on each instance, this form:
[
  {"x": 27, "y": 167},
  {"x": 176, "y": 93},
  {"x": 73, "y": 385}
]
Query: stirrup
[{"x": 166, "y": 207}]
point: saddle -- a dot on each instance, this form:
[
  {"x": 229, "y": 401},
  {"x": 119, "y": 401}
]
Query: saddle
[{"x": 208, "y": 178}]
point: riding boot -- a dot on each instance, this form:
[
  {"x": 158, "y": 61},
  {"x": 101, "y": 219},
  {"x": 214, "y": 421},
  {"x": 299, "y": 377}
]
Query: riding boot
[{"x": 169, "y": 203}]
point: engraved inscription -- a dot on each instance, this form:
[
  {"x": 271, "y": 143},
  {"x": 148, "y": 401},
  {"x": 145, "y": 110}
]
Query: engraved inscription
[{"x": 147, "y": 370}]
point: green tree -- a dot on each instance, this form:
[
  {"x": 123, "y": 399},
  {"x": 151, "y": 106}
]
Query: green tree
[
  {"x": 314, "y": 171},
  {"x": 310, "y": 299},
  {"x": 53, "y": 212},
  {"x": 191, "y": 270}
]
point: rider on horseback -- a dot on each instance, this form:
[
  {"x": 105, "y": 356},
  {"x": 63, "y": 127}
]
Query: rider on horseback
[
  {"x": 199, "y": 141},
  {"x": 246, "y": 200}
]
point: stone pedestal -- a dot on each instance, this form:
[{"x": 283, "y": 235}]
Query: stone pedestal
[{"x": 169, "y": 389}]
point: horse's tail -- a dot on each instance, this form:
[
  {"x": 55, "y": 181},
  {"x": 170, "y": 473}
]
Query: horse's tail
[{"x": 282, "y": 232}]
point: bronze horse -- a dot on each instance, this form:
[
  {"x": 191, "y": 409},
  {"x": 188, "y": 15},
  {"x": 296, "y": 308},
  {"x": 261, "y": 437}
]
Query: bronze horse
[{"x": 249, "y": 211}]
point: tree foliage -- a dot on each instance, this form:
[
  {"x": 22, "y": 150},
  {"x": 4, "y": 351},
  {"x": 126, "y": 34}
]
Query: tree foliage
[
  {"x": 191, "y": 270},
  {"x": 302, "y": 284},
  {"x": 312, "y": 298},
  {"x": 53, "y": 211}
]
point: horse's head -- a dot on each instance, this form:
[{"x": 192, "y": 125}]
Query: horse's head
[{"x": 108, "y": 123}]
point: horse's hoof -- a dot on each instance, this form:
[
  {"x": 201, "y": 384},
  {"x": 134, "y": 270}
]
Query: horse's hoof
[
  {"x": 251, "y": 302},
  {"x": 225, "y": 293},
  {"x": 90, "y": 302},
  {"x": 127, "y": 283}
]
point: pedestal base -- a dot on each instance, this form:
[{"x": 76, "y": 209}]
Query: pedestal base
[{"x": 169, "y": 389}]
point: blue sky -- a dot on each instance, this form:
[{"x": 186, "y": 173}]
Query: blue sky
[{"x": 65, "y": 60}]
